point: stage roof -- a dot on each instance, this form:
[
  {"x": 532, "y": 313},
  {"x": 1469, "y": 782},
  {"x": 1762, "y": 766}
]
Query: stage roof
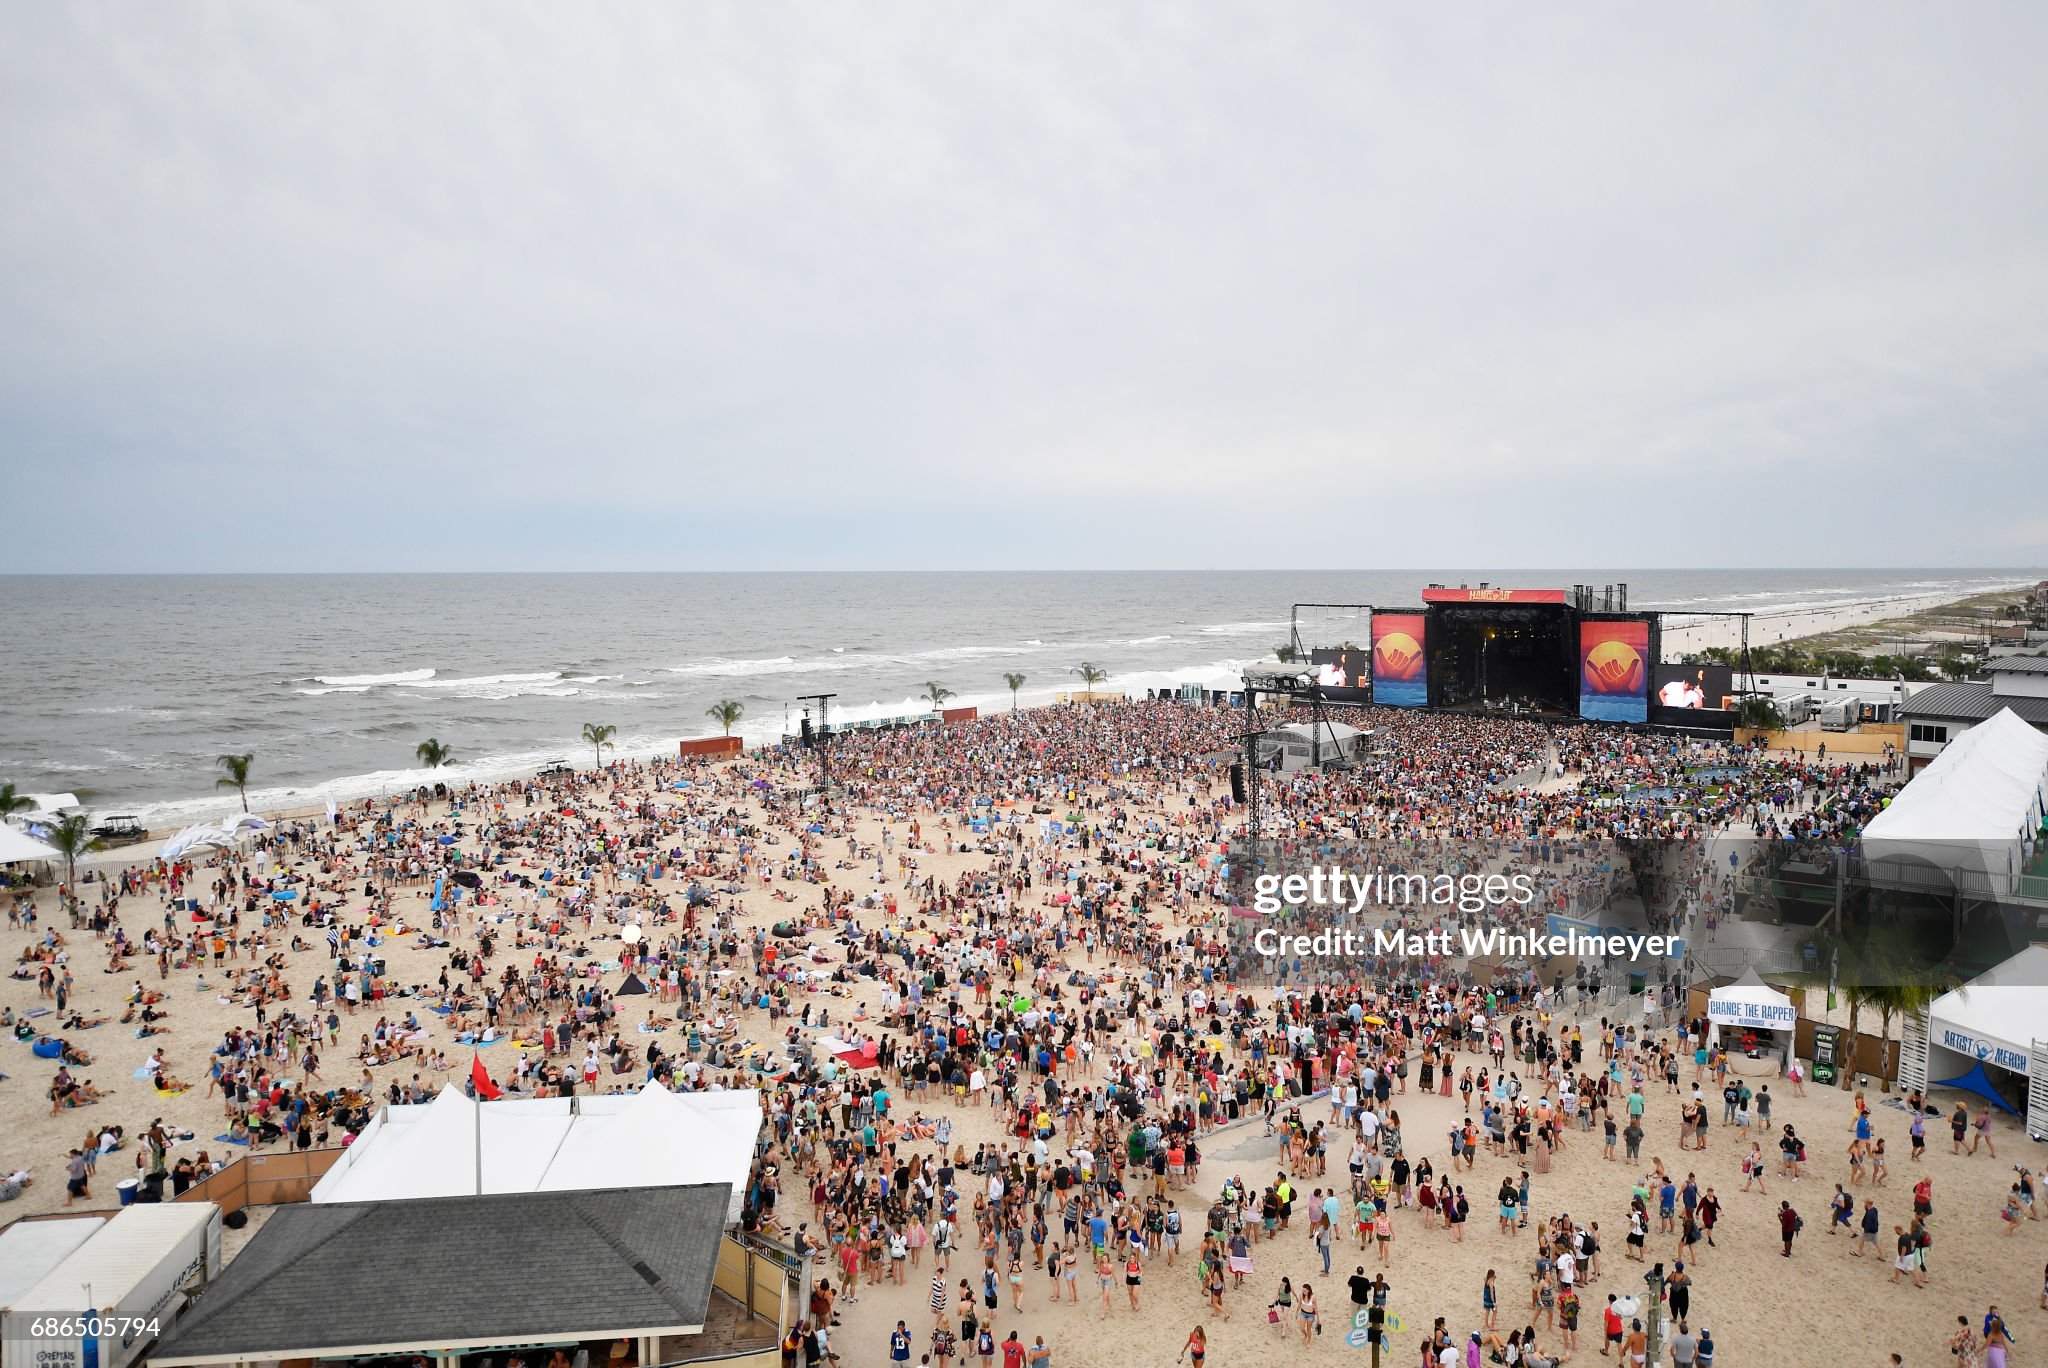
[{"x": 359, "y": 1279}]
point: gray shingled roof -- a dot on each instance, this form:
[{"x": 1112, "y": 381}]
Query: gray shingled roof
[
  {"x": 1971, "y": 702},
  {"x": 522, "y": 1267}
]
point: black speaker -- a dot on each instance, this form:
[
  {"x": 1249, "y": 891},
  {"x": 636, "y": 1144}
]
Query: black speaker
[
  {"x": 1237, "y": 782},
  {"x": 805, "y": 735}
]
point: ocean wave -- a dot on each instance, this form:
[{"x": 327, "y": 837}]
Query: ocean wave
[
  {"x": 1150, "y": 640},
  {"x": 964, "y": 653},
  {"x": 370, "y": 680},
  {"x": 776, "y": 665},
  {"x": 1242, "y": 628},
  {"x": 334, "y": 688}
]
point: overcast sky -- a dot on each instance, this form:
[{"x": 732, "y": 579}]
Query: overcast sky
[{"x": 425, "y": 286}]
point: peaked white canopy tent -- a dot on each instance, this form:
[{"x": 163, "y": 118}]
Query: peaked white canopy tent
[
  {"x": 649, "y": 1138},
  {"x": 1750, "y": 1004},
  {"x": 1976, "y": 811}
]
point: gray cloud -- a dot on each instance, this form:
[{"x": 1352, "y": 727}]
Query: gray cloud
[{"x": 437, "y": 286}]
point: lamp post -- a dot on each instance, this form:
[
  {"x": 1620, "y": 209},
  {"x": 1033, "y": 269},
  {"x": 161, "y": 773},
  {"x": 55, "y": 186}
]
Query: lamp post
[{"x": 1654, "y": 1312}]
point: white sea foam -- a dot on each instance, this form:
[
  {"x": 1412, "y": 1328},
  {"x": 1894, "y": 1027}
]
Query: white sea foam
[
  {"x": 334, "y": 688},
  {"x": 368, "y": 680},
  {"x": 773, "y": 665},
  {"x": 1147, "y": 641}
]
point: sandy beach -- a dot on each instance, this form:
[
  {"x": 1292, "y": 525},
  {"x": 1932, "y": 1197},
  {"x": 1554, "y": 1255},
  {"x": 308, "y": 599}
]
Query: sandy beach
[
  {"x": 1821, "y": 1307},
  {"x": 1683, "y": 635}
]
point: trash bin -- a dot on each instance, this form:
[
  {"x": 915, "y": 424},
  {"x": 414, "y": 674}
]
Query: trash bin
[{"x": 126, "y": 1187}]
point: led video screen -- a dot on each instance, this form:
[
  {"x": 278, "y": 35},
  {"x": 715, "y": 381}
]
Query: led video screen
[
  {"x": 1694, "y": 688},
  {"x": 1400, "y": 670},
  {"x": 1342, "y": 673},
  {"x": 1614, "y": 671}
]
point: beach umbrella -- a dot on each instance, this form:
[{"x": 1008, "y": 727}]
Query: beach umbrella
[
  {"x": 446, "y": 840},
  {"x": 285, "y": 895},
  {"x": 469, "y": 878},
  {"x": 762, "y": 783},
  {"x": 629, "y": 934},
  {"x": 632, "y": 987}
]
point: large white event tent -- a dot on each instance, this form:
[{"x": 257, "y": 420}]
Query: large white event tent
[
  {"x": 1976, "y": 811},
  {"x": 649, "y": 1138},
  {"x": 18, "y": 847},
  {"x": 1994, "y": 1022}
]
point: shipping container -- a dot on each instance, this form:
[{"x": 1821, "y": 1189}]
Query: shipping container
[{"x": 107, "y": 1301}]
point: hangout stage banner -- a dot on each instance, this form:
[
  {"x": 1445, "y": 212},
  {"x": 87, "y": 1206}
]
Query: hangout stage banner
[
  {"x": 1614, "y": 671},
  {"x": 1400, "y": 674}
]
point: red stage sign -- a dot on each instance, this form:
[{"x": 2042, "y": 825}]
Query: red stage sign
[{"x": 1493, "y": 596}]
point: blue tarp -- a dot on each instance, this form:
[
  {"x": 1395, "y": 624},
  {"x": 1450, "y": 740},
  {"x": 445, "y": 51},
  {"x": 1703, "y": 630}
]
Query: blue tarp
[{"x": 1978, "y": 1082}]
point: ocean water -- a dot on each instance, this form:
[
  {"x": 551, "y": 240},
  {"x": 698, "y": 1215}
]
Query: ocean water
[{"x": 125, "y": 688}]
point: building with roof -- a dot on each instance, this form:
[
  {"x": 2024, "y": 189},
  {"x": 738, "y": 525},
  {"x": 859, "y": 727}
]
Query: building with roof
[
  {"x": 476, "y": 1279},
  {"x": 1938, "y": 714}
]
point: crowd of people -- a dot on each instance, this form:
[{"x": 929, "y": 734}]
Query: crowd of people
[{"x": 1023, "y": 929}]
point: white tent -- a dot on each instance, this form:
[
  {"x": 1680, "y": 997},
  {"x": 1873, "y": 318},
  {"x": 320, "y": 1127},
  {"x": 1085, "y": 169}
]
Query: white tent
[
  {"x": 1995, "y": 1018},
  {"x": 1993, "y": 1022},
  {"x": 1750, "y": 1004},
  {"x": 1975, "y": 811},
  {"x": 18, "y": 847},
  {"x": 651, "y": 1138}
]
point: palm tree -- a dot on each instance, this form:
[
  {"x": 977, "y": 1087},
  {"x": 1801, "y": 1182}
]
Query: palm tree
[
  {"x": 1859, "y": 996},
  {"x": 599, "y": 737},
  {"x": 1091, "y": 674},
  {"x": 1016, "y": 682},
  {"x": 1760, "y": 713},
  {"x": 10, "y": 801},
  {"x": 72, "y": 837},
  {"x": 936, "y": 693},
  {"x": 235, "y": 774},
  {"x": 1284, "y": 652},
  {"x": 433, "y": 754},
  {"x": 726, "y": 713},
  {"x": 1904, "y": 1000}
]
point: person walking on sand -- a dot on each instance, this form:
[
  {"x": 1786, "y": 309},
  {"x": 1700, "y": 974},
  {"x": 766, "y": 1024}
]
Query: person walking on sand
[{"x": 1982, "y": 1129}]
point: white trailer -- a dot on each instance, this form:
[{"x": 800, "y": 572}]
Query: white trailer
[
  {"x": 106, "y": 1302},
  {"x": 1840, "y": 714}
]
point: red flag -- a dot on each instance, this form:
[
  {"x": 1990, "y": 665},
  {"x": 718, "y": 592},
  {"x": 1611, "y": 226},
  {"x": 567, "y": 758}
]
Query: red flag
[{"x": 485, "y": 1089}]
